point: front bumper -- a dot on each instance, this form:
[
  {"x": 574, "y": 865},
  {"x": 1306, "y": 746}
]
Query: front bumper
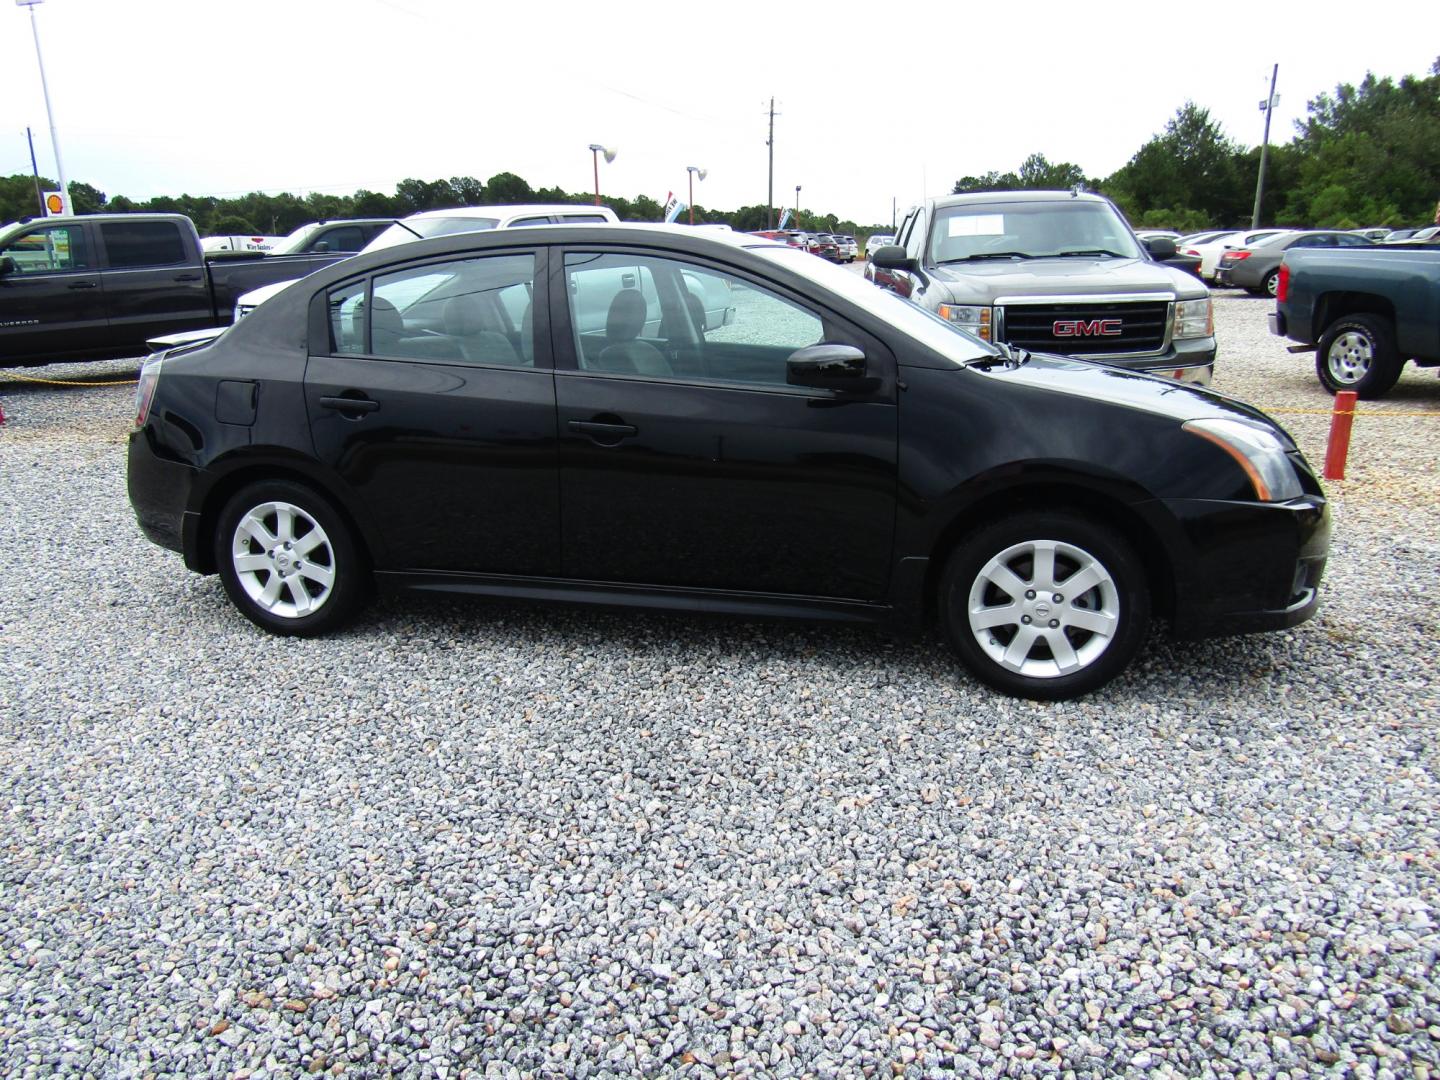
[
  {"x": 1244, "y": 566},
  {"x": 1191, "y": 360}
]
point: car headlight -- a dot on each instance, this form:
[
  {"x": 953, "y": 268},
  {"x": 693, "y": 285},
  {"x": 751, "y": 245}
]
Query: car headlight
[
  {"x": 1257, "y": 450},
  {"x": 1194, "y": 318},
  {"x": 968, "y": 317}
]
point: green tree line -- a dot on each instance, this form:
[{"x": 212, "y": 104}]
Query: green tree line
[
  {"x": 1367, "y": 155},
  {"x": 259, "y": 213}
]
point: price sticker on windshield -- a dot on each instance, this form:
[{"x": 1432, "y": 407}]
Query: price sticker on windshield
[{"x": 977, "y": 225}]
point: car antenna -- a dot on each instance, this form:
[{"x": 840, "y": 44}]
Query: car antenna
[{"x": 407, "y": 228}]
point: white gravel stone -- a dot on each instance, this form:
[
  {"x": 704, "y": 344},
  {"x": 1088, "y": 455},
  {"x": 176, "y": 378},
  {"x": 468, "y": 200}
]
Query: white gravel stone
[{"x": 600, "y": 845}]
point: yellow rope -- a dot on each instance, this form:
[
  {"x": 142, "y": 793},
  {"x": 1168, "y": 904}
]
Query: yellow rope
[
  {"x": 64, "y": 382},
  {"x": 1346, "y": 412}
]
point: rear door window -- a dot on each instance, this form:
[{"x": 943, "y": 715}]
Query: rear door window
[
  {"x": 463, "y": 311},
  {"x": 135, "y": 244}
]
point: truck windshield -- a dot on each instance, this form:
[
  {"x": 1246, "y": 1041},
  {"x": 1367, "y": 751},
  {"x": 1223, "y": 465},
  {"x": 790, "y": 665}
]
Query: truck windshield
[
  {"x": 1035, "y": 230},
  {"x": 428, "y": 227}
]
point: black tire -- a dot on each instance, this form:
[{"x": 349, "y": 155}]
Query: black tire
[
  {"x": 1122, "y": 599},
  {"x": 1272, "y": 283},
  {"x": 1357, "y": 352},
  {"x": 329, "y": 576}
]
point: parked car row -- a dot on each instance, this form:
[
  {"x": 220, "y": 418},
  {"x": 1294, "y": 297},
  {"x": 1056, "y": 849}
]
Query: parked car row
[{"x": 832, "y": 246}]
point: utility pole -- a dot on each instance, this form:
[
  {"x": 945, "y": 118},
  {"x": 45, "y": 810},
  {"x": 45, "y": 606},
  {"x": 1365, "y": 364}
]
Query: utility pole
[
  {"x": 892, "y": 214},
  {"x": 35, "y": 172},
  {"x": 1268, "y": 105},
  {"x": 770, "y": 197}
]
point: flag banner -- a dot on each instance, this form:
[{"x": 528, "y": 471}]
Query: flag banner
[
  {"x": 784, "y": 218},
  {"x": 675, "y": 209}
]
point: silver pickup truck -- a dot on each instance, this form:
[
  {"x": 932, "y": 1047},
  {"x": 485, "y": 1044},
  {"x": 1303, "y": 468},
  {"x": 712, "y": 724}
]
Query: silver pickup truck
[{"x": 1056, "y": 272}]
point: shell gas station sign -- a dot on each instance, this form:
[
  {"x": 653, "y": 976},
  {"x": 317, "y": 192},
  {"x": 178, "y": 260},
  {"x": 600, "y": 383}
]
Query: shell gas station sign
[{"x": 54, "y": 204}]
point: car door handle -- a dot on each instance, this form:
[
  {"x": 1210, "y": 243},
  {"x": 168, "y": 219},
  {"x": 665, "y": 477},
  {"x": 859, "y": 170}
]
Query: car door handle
[
  {"x": 601, "y": 430},
  {"x": 83, "y": 285},
  {"x": 187, "y": 277},
  {"x": 350, "y": 404}
]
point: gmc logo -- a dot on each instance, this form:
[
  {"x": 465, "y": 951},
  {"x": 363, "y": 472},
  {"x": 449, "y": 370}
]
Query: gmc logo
[{"x": 1082, "y": 328}]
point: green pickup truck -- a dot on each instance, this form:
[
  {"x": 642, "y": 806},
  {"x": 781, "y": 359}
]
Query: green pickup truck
[{"x": 1365, "y": 311}]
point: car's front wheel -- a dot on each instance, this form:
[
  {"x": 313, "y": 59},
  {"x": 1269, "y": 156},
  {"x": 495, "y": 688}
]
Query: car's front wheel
[
  {"x": 1045, "y": 605},
  {"x": 288, "y": 560},
  {"x": 1358, "y": 353}
]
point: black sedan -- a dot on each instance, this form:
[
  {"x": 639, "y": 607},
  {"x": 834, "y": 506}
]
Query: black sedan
[{"x": 549, "y": 414}]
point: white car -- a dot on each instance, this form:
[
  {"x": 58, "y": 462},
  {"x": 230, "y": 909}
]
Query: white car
[
  {"x": 1211, "y": 251},
  {"x": 876, "y": 242},
  {"x": 462, "y": 219}
]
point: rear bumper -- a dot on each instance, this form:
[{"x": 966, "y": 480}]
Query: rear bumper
[
  {"x": 160, "y": 490},
  {"x": 1242, "y": 566}
]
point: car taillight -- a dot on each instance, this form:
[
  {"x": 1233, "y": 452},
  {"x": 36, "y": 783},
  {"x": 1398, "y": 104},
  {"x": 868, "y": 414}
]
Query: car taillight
[
  {"x": 1189, "y": 251},
  {"x": 1282, "y": 288},
  {"x": 1235, "y": 256},
  {"x": 145, "y": 391}
]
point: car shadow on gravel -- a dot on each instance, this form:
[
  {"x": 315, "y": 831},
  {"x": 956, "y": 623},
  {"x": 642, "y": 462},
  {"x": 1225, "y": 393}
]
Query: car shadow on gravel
[{"x": 1215, "y": 669}]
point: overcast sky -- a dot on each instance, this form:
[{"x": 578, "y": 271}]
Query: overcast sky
[{"x": 874, "y": 100}]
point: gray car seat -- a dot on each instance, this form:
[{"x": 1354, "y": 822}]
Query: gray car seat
[
  {"x": 465, "y": 323},
  {"x": 623, "y": 352}
]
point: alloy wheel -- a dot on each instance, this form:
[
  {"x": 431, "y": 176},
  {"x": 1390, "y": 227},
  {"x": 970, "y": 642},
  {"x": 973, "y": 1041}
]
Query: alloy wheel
[
  {"x": 1044, "y": 609},
  {"x": 1349, "y": 357},
  {"x": 283, "y": 559}
]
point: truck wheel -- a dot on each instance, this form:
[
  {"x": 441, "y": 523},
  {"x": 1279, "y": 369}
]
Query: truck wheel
[
  {"x": 1357, "y": 352},
  {"x": 288, "y": 561},
  {"x": 1045, "y": 605}
]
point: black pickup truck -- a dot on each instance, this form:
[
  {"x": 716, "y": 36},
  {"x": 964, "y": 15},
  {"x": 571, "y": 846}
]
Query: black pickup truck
[
  {"x": 100, "y": 284},
  {"x": 1364, "y": 311}
]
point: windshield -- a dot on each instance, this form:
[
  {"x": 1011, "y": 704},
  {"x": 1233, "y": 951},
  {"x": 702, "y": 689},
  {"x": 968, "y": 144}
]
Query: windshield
[
  {"x": 929, "y": 329},
  {"x": 1034, "y": 230},
  {"x": 404, "y": 232},
  {"x": 295, "y": 241}
]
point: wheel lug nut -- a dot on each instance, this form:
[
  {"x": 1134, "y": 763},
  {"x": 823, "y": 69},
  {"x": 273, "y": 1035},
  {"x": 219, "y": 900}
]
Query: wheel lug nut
[
  {"x": 1025, "y": 619},
  {"x": 1059, "y": 599},
  {"x": 1029, "y": 594},
  {"x": 1054, "y": 623}
]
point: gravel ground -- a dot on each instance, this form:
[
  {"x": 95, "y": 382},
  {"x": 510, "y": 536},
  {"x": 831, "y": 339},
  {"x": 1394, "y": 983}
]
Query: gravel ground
[{"x": 491, "y": 840}]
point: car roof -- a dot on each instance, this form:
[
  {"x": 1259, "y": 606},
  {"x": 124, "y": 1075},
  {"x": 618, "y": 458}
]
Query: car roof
[
  {"x": 510, "y": 210},
  {"x": 1014, "y": 196}
]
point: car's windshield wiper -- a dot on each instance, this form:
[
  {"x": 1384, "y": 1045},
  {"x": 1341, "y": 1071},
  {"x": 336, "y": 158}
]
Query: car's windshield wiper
[
  {"x": 989, "y": 255},
  {"x": 1088, "y": 253}
]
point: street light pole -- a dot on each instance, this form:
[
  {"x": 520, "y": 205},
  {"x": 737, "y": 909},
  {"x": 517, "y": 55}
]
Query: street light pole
[
  {"x": 65, "y": 205},
  {"x": 595, "y": 151},
  {"x": 797, "y": 206},
  {"x": 693, "y": 170}
]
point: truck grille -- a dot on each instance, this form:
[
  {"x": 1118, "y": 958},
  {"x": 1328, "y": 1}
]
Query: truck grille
[{"x": 1141, "y": 327}]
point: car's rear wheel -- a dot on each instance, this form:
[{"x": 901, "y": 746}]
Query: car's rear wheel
[
  {"x": 1358, "y": 353},
  {"x": 1272, "y": 282},
  {"x": 1045, "y": 605},
  {"x": 288, "y": 560}
]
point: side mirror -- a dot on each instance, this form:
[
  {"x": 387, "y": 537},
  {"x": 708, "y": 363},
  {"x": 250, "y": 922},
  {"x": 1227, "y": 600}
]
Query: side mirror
[
  {"x": 1160, "y": 247},
  {"x": 7, "y": 265},
  {"x": 893, "y": 257},
  {"x": 828, "y": 367},
  {"x": 321, "y": 246}
]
